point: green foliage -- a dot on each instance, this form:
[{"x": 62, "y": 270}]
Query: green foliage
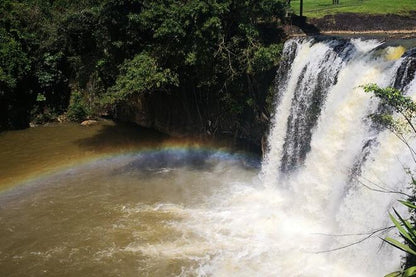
[
  {"x": 43, "y": 116},
  {"x": 40, "y": 98},
  {"x": 141, "y": 75},
  {"x": 217, "y": 49},
  {"x": 29, "y": 62},
  {"x": 77, "y": 109},
  {"x": 14, "y": 63},
  {"x": 393, "y": 100},
  {"x": 216, "y": 52},
  {"x": 266, "y": 57},
  {"x": 409, "y": 272},
  {"x": 407, "y": 232}
]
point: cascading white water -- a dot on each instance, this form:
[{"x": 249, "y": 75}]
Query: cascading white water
[
  {"x": 316, "y": 196},
  {"x": 328, "y": 183}
]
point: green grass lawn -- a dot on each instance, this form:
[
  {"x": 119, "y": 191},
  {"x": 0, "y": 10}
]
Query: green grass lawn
[{"x": 320, "y": 8}]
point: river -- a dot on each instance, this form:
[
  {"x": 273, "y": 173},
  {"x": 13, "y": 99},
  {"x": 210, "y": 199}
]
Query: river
[{"x": 108, "y": 200}]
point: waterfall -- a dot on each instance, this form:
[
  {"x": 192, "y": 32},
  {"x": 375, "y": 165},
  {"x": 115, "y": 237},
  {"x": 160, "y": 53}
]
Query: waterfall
[
  {"x": 318, "y": 206},
  {"x": 329, "y": 162}
]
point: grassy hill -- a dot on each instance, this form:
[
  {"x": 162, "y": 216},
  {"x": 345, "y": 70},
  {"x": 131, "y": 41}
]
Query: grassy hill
[{"x": 320, "y": 8}]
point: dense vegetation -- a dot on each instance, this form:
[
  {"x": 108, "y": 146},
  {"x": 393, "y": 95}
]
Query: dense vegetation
[{"x": 86, "y": 57}]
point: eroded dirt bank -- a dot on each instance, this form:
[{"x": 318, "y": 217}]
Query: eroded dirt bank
[{"x": 389, "y": 25}]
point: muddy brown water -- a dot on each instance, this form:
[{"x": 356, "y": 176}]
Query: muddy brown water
[
  {"x": 35, "y": 151},
  {"x": 108, "y": 200}
]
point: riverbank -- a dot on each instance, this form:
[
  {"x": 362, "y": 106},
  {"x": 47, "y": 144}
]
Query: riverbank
[
  {"x": 321, "y": 8},
  {"x": 355, "y": 24}
]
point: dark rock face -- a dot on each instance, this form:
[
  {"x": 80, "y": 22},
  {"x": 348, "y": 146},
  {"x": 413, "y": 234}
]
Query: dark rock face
[
  {"x": 166, "y": 113},
  {"x": 407, "y": 71},
  {"x": 183, "y": 114}
]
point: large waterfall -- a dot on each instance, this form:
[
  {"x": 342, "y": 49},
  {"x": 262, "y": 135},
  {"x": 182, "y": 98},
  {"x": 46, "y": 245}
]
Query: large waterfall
[{"x": 330, "y": 165}]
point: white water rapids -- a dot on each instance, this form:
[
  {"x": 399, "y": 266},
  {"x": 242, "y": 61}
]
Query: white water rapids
[
  {"x": 317, "y": 195},
  {"x": 315, "y": 210},
  {"x": 329, "y": 192}
]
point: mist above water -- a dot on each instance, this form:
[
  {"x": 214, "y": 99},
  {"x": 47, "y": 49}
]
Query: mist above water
[{"x": 125, "y": 215}]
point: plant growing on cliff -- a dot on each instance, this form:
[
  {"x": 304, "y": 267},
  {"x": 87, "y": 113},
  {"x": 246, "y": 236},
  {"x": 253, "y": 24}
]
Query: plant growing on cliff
[
  {"x": 407, "y": 232},
  {"x": 400, "y": 123},
  {"x": 396, "y": 101}
]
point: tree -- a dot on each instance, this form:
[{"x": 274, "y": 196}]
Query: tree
[
  {"x": 213, "y": 52},
  {"x": 32, "y": 65},
  {"x": 141, "y": 75},
  {"x": 217, "y": 53}
]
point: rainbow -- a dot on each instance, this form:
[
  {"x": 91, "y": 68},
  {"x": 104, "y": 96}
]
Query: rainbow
[{"x": 176, "y": 150}]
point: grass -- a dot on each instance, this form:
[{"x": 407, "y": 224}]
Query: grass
[{"x": 320, "y": 8}]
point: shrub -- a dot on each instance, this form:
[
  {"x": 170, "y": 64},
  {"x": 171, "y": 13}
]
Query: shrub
[{"x": 78, "y": 109}]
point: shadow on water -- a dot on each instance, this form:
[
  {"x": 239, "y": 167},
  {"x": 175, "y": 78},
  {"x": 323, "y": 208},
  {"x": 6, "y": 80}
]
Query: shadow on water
[
  {"x": 156, "y": 162},
  {"x": 122, "y": 136},
  {"x": 153, "y": 151}
]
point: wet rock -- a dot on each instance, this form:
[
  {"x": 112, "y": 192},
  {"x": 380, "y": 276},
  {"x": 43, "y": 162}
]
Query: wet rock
[{"x": 89, "y": 122}]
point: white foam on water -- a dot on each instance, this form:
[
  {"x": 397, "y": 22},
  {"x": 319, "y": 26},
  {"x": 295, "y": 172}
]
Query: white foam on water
[{"x": 319, "y": 219}]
